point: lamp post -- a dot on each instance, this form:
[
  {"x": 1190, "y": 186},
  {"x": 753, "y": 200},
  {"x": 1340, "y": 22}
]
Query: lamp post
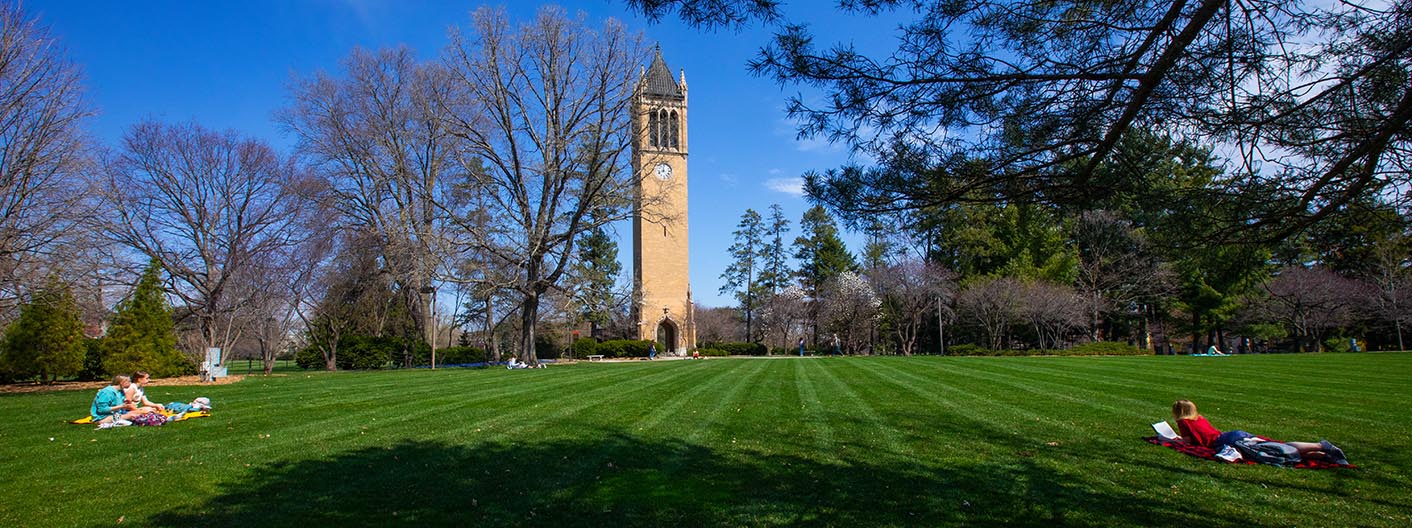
[{"x": 431, "y": 321}]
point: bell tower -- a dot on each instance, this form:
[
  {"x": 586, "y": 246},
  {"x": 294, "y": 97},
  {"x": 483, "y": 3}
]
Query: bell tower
[{"x": 662, "y": 303}]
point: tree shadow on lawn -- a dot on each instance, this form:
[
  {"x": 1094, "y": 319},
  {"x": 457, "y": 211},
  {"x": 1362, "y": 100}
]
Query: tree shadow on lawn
[{"x": 624, "y": 481}]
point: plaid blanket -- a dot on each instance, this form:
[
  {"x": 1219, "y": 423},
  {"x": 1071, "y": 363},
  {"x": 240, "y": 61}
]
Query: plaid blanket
[
  {"x": 1210, "y": 454},
  {"x": 178, "y": 417}
]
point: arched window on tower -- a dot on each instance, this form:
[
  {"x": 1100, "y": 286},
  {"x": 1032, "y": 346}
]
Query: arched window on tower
[
  {"x": 662, "y": 117},
  {"x": 652, "y": 127},
  {"x": 673, "y": 128}
]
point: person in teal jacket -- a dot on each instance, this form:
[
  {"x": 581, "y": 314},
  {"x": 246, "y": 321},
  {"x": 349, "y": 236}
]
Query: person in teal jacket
[{"x": 109, "y": 404}]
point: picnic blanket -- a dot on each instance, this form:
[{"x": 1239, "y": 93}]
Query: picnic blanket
[
  {"x": 1210, "y": 454},
  {"x": 172, "y": 417}
]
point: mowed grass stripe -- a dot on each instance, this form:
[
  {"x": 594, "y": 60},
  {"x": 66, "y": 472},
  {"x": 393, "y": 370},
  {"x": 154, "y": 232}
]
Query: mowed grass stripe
[
  {"x": 1212, "y": 382},
  {"x": 669, "y": 417},
  {"x": 1022, "y": 377},
  {"x": 1005, "y": 396},
  {"x": 751, "y": 414},
  {"x": 814, "y": 420},
  {"x": 601, "y": 404},
  {"x": 381, "y": 414},
  {"x": 960, "y": 417},
  {"x": 860, "y": 412},
  {"x": 367, "y": 418}
]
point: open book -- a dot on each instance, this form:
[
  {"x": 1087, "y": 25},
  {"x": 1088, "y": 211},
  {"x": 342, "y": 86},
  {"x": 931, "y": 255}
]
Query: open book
[{"x": 1164, "y": 431}]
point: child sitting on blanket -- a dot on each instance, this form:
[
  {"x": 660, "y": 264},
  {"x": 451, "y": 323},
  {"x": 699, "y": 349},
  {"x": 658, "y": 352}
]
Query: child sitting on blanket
[
  {"x": 1195, "y": 429},
  {"x": 109, "y": 405},
  {"x": 136, "y": 394}
]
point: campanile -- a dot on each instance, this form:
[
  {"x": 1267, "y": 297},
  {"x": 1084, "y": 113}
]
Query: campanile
[{"x": 662, "y": 303}]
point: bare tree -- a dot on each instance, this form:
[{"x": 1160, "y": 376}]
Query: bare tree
[
  {"x": 717, "y": 325},
  {"x": 43, "y": 151},
  {"x": 1116, "y": 267},
  {"x": 543, "y": 126},
  {"x": 1052, "y": 310},
  {"x": 993, "y": 305},
  {"x": 206, "y": 205},
  {"x": 376, "y": 135},
  {"x": 1389, "y": 272},
  {"x": 1311, "y": 302},
  {"x": 912, "y": 292}
]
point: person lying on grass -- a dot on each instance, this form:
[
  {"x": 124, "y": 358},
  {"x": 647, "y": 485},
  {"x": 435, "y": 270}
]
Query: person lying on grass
[
  {"x": 136, "y": 394},
  {"x": 1195, "y": 429},
  {"x": 109, "y": 405}
]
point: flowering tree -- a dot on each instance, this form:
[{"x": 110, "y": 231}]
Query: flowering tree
[
  {"x": 783, "y": 315},
  {"x": 850, "y": 308}
]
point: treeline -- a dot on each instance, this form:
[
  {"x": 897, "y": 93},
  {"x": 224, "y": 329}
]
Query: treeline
[{"x": 1161, "y": 276}]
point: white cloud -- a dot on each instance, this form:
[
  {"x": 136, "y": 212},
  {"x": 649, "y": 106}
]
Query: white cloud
[
  {"x": 730, "y": 179},
  {"x": 790, "y": 186}
]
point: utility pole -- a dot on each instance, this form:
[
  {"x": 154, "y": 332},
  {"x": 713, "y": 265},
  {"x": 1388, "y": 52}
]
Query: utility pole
[{"x": 940, "y": 326}]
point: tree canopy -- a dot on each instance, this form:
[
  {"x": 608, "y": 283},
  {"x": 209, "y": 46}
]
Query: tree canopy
[{"x": 1026, "y": 100}]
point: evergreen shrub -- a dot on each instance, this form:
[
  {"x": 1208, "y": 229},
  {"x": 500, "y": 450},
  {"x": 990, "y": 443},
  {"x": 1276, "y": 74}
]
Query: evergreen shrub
[
  {"x": 1104, "y": 348},
  {"x": 459, "y": 355},
  {"x": 735, "y": 348},
  {"x": 309, "y": 358},
  {"x": 584, "y": 347},
  {"x": 366, "y": 353},
  {"x": 93, "y": 361},
  {"x": 621, "y": 348}
]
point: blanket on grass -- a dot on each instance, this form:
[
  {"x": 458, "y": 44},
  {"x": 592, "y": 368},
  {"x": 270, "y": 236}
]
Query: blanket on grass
[
  {"x": 171, "y": 417},
  {"x": 1210, "y": 454}
]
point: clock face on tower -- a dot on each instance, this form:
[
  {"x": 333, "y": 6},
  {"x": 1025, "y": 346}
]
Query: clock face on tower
[{"x": 663, "y": 171}]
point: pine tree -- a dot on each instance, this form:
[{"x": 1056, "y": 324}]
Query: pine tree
[
  {"x": 822, "y": 256},
  {"x": 141, "y": 336},
  {"x": 821, "y": 253},
  {"x": 775, "y": 273},
  {"x": 742, "y": 275},
  {"x": 46, "y": 340},
  {"x": 595, "y": 274}
]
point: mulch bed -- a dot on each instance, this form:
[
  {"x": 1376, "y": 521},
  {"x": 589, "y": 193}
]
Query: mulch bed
[{"x": 18, "y": 388}]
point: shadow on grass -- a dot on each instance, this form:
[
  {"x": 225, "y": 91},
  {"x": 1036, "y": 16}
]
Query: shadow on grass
[{"x": 622, "y": 481}]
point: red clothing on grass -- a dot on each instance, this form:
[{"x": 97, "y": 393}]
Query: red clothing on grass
[{"x": 1198, "y": 431}]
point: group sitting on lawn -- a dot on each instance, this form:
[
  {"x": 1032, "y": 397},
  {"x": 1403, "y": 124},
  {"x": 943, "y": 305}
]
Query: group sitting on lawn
[{"x": 124, "y": 402}]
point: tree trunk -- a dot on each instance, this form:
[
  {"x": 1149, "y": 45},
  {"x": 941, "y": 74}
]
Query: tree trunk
[
  {"x": 1398, "y": 325},
  {"x": 492, "y": 344},
  {"x": 529, "y": 312},
  {"x": 1195, "y": 331}
]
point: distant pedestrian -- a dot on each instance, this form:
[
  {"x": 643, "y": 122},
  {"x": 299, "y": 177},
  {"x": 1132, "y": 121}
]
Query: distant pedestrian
[
  {"x": 652, "y": 351},
  {"x": 801, "y": 347},
  {"x": 836, "y": 349}
]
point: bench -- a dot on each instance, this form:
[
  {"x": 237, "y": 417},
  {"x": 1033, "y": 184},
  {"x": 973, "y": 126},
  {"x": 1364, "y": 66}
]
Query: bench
[{"x": 595, "y": 357}]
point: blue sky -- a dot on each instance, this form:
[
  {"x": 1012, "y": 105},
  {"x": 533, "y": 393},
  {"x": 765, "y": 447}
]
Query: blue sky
[{"x": 226, "y": 65}]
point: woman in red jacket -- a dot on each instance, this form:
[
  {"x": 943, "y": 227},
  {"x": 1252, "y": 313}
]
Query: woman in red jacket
[{"x": 1195, "y": 429}]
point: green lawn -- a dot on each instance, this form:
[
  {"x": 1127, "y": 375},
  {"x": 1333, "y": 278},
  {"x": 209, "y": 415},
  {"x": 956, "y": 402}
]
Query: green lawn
[{"x": 817, "y": 441}]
